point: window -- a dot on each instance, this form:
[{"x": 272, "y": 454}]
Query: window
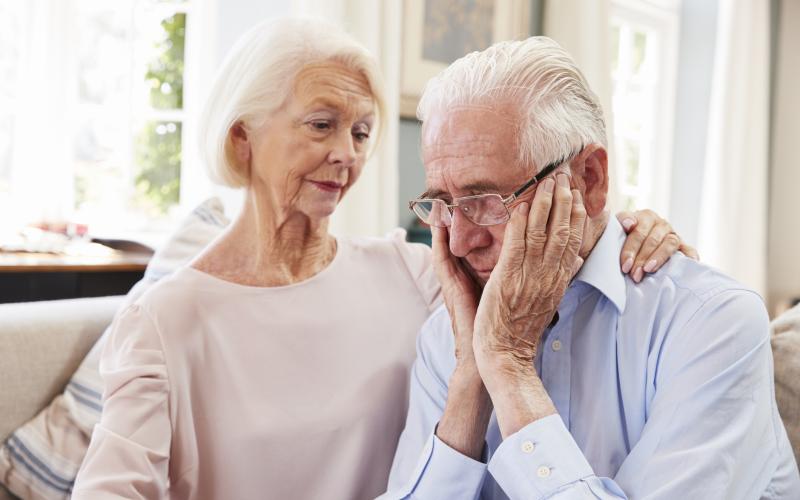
[
  {"x": 119, "y": 72},
  {"x": 9, "y": 68},
  {"x": 129, "y": 139},
  {"x": 644, "y": 44}
]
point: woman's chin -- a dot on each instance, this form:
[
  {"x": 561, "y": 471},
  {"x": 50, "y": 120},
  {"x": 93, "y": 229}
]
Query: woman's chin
[{"x": 321, "y": 210}]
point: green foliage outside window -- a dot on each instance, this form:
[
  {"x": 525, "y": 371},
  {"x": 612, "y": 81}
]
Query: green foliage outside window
[
  {"x": 158, "y": 154},
  {"x": 158, "y": 146}
]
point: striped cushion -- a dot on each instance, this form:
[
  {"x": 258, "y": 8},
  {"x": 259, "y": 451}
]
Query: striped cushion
[{"x": 41, "y": 459}]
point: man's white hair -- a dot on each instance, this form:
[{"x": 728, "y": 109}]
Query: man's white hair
[
  {"x": 558, "y": 111},
  {"x": 258, "y": 76}
]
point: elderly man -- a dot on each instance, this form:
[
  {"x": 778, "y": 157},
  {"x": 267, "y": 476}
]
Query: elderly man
[{"x": 549, "y": 369}]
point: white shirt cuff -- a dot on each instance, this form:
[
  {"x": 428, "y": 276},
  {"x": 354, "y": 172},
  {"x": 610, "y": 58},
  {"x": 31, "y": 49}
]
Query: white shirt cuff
[
  {"x": 448, "y": 474},
  {"x": 538, "y": 460}
]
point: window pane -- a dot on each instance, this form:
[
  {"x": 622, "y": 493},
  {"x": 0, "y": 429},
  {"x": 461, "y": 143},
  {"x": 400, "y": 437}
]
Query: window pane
[
  {"x": 102, "y": 114},
  {"x": 631, "y": 166},
  {"x": 128, "y": 147},
  {"x": 629, "y": 203},
  {"x": 614, "y": 48},
  {"x": 158, "y": 161},
  {"x": 165, "y": 70},
  {"x": 639, "y": 51},
  {"x": 9, "y": 60}
]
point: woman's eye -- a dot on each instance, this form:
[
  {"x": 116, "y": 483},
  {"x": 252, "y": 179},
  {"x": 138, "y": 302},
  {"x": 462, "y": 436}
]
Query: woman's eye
[
  {"x": 361, "y": 133},
  {"x": 320, "y": 125}
]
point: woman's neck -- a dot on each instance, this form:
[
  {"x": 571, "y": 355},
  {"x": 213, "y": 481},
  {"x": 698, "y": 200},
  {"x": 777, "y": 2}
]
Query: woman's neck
[{"x": 269, "y": 246}]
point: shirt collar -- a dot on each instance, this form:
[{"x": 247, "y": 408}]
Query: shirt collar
[{"x": 601, "y": 269}]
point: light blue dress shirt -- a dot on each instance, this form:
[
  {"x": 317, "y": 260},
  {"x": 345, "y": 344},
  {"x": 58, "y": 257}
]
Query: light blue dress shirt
[{"x": 663, "y": 390}]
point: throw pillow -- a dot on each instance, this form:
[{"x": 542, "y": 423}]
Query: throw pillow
[
  {"x": 786, "y": 351},
  {"x": 40, "y": 460}
]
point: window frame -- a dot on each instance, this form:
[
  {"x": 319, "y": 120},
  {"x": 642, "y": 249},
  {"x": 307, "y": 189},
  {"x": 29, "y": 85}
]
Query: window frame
[{"x": 662, "y": 18}]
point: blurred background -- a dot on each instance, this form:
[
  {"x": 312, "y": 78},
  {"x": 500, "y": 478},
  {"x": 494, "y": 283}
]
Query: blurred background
[{"x": 99, "y": 102}]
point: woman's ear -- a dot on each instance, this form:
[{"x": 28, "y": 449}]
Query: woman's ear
[
  {"x": 593, "y": 171},
  {"x": 240, "y": 145}
]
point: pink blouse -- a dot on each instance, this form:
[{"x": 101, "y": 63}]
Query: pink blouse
[{"x": 219, "y": 390}]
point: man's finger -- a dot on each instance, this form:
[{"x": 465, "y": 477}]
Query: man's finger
[
  {"x": 559, "y": 224},
  {"x": 439, "y": 243},
  {"x": 577, "y": 223},
  {"x": 539, "y": 215},
  {"x": 513, "y": 251}
]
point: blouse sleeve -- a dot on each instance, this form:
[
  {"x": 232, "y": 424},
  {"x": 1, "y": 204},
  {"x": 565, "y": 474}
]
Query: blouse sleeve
[
  {"x": 128, "y": 456},
  {"x": 419, "y": 262}
]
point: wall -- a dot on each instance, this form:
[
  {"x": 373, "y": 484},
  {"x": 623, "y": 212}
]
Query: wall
[
  {"x": 411, "y": 172},
  {"x": 695, "y": 67},
  {"x": 214, "y": 26},
  {"x": 783, "y": 271}
]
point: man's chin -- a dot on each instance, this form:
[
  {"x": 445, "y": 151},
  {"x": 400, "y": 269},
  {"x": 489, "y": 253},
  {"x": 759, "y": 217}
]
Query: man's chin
[{"x": 480, "y": 277}]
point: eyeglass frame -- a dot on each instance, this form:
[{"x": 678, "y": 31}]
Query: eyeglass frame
[{"x": 507, "y": 201}]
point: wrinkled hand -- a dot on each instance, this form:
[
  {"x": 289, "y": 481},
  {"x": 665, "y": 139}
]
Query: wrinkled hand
[
  {"x": 461, "y": 295},
  {"x": 650, "y": 243},
  {"x": 537, "y": 262}
]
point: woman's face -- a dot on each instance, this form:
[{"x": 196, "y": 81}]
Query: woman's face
[{"x": 309, "y": 152}]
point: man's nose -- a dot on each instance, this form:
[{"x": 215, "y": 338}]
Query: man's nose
[{"x": 466, "y": 236}]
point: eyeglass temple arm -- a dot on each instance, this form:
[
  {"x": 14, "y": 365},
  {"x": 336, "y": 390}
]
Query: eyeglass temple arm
[
  {"x": 542, "y": 174},
  {"x": 537, "y": 178}
]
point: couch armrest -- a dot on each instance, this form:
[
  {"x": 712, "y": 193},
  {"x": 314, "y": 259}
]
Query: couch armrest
[{"x": 42, "y": 344}]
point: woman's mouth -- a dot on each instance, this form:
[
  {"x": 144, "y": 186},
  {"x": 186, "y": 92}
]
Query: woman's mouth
[{"x": 327, "y": 186}]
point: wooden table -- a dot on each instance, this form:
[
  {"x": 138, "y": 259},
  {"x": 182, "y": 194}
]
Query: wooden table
[{"x": 39, "y": 276}]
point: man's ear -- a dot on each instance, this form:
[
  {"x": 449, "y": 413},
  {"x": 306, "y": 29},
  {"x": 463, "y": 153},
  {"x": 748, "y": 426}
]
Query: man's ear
[
  {"x": 240, "y": 146},
  {"x": 591, "y": 165}
]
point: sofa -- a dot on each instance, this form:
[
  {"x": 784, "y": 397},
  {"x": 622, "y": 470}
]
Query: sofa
[{"x": 42, "y": 344}]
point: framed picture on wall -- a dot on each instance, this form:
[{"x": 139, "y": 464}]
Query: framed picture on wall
[{"x": 437, "y": 32}]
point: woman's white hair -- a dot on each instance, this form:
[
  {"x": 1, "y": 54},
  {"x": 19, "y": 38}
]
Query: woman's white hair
[
  {"x": 558, "y": 112},
  {"x": 258, "y": 76}
]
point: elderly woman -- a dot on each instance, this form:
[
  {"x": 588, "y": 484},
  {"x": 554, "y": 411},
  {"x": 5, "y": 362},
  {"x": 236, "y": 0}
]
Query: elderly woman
[{"x": 275, "y": 365}]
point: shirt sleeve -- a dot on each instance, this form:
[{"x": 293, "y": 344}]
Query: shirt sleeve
[
  {"x": 128, "y": 456},
  {"x": 712, "y": 431},
  {"x": 425, "y": 467},
  {"x": 419, "y": 263}
]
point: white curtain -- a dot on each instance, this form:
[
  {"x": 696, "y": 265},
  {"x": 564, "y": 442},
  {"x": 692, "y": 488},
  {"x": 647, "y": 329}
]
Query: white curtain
[
  {"x": 44, "y": 92},
  {"x": 582, "y": 27},
  {"x": 370, "y": 208},
  {"x": 733, "y": 212}
]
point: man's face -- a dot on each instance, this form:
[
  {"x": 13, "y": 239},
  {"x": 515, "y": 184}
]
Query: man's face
[{"x": 467, "y": 151}]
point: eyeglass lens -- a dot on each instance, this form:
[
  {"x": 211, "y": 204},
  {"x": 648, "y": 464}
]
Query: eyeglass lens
[{"x": 485, "y": 210}]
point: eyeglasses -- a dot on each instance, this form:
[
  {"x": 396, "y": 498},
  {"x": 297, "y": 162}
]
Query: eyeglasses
[{"x": 481, "y": 209}]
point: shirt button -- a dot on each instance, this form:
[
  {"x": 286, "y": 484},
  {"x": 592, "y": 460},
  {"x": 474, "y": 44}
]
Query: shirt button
[
  {"x": 528, "y": 447},
  {"x": 543, "y": 472},
  {"x": 556, "y": 345}
]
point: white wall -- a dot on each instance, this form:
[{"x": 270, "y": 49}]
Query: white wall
[
  {"x": 784, "y": 229},
  {"x": 695, "y": 65},
  {"x": 214, "y": 26}
]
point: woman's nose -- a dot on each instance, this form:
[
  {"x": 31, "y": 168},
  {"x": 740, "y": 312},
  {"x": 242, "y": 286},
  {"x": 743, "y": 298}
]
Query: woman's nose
[
  {"x": 343, "y": 151},
  {"x": 466, "y": 236}
]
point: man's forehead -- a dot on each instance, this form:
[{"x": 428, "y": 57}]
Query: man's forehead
[
  {"x": 468, "y": 128},
  {"x": 470, "y": 149}
]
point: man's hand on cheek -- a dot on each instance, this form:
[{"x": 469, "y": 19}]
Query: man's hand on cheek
[
  {"x": 537, "y": 262},
  {"x": 460, "y": 292}
]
